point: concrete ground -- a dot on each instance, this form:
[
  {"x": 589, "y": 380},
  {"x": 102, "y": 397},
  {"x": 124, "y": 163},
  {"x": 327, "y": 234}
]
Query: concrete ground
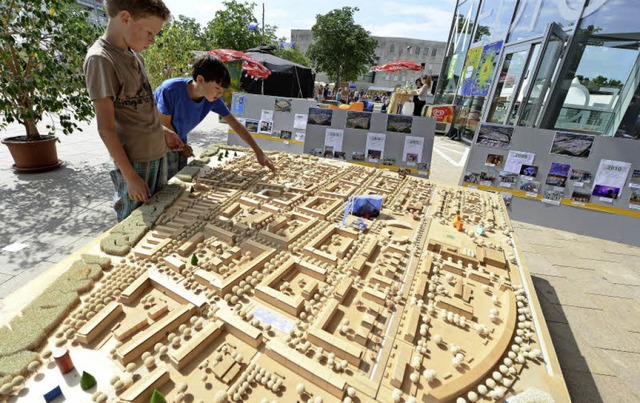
[{"x": 589, "y": 288}]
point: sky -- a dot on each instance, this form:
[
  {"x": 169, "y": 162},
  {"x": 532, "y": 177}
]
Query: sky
[{"x": 418, "y": 19}]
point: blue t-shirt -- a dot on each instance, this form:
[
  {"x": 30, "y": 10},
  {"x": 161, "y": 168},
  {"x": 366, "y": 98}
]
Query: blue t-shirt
[{"x": 173, "y": 99}]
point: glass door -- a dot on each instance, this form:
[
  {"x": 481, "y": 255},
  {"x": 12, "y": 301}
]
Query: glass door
[
  {"x": 527, "y": 72},
  {"x": 544, "y": 76},
  {"x": 514, "y": 61}
]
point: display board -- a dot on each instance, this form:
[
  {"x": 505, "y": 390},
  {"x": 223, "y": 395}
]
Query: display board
[
  {"x": 374, "y": 139},
  {"x": 276, "y": 123},
  {"x": 569, "y": 181}
]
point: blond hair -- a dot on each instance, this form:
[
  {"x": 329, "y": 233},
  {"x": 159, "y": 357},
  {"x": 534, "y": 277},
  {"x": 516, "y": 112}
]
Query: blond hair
[{"x": 428, "y": 81}]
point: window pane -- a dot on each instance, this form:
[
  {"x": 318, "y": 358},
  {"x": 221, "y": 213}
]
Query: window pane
[
  {"x": 590, "y": 103},
  {"x": 533, "y": 16},
  {"x": 493, "y": 20},
  {"x": 512, "y": 69}
]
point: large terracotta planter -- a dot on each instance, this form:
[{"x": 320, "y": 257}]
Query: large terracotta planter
[{"x": 35, "y": 155}]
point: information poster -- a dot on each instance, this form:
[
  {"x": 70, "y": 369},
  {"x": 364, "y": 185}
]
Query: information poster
[
  {"x": 610, "y": 178},
  {"x": 375, "y": 146},
  {"x": 300, "y": 121},
  {"x": 333, "y": 141},
  {"x": 470, "y": 71},
  {"x": 238, "y": 103},
  {"x": 412, "y": 153},
  {"x": 266, "y": 115},
  {"x": 487, "y": 65},
  {"x": 516, "y": 159}
]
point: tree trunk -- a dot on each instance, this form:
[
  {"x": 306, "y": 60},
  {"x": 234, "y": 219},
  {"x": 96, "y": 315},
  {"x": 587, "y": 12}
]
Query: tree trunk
[{"x": 32, "y": 129}]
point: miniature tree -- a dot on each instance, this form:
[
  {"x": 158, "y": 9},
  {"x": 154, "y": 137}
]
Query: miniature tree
[
  {"x": 157, "y": 397},
  {"x": 194, "y": 260},
  {"x": 87, "y": 381},
  {"x": 300, "y": 389}
]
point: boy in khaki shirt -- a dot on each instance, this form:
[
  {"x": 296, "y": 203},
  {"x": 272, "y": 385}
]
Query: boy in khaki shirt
[{"x": 128, "y": 120}]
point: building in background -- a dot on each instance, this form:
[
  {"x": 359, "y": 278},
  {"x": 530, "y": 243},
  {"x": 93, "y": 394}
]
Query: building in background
[
  {"x": 427, "y": 53},
  {"x": 565, "y": 64},
  {"x": 97, "y": 12}
]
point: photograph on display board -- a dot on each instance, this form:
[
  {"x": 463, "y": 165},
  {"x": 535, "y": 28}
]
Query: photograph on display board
[
  {"x": 558, "y": 174},
  {"x": 252, "y": 125},
  {"x": 488, "y": 176},
  {"x": 578, "y": 175},
  {"x": 328, "y": 152},
  {"x": 320, "y": 116},
  {"x": 388, "y": 161},
  {"x": 411, "y": 157},
  {"x": 282, "y": 105},
  {"x": 528, "y": 185},
  {"x": 285, "y": 134},
  {"x": 399, "y": 123},
  {"x": 552, "y": 194},
  {"x": 572, "y": 144},
  {"x": 318, "y": 152},
  {"x": 423, "y": 166},
  {"x": 472, "y": 177},
  {"x": 529, "y": 170},
  {"x": 494, "y": 160},
  {"x": 608, "y": 192},
  {"x": 341, "y": 155},
  {"x": 357, "y": 156},
  {"x": 373, "y": 154},
  {"x": 580, "y": 196},
  {"x": 265, "y": 126},
  {"x": 358, "y": 120},
  {"x": 634, "y": 182},
  {"x": 495, "y": 136},
  {"x": 634, "y": 201},
  {"x": 507, "y": 177}
]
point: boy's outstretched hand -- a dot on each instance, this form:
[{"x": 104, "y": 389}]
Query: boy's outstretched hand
[
  {"x": 173, "y": 140},
  {"x": 265, "y": 161}
]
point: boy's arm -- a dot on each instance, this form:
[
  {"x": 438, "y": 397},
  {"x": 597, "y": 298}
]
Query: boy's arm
[
  {"x": 171, "y": 136},
  {"x": 137, "y": 188},
  {"x": 246, "y": 137}
]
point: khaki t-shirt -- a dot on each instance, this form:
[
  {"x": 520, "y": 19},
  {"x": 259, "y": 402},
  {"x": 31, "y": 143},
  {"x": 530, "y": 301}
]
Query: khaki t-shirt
[{"x": 120, "y": 75}]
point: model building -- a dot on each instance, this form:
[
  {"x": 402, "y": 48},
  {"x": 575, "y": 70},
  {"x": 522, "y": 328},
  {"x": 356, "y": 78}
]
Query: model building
[{"x": 260, "y": 287}]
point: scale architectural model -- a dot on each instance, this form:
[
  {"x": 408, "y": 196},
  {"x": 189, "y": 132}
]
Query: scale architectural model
[{"x": 251, "y": 286}]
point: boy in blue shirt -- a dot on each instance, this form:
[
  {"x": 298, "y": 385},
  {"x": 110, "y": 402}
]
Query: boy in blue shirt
[{"x": 184, "y": 102}]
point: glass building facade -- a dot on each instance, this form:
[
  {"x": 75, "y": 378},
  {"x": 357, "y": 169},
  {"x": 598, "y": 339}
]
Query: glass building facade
[{"x": 572, "y": 65}]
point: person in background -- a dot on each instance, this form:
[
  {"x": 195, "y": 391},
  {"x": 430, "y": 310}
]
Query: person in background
[
  {"x": 418, "y": 104},
  {"x": 128, "y": 120},
  {"x": 185, "y": 102},
  {"x": 425, "y": 91}
]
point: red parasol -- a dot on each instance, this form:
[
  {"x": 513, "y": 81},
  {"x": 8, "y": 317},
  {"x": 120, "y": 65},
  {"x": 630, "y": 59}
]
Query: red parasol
[
  {"x": 397, "y": 65},
  {"x": 250, "y": 65}
]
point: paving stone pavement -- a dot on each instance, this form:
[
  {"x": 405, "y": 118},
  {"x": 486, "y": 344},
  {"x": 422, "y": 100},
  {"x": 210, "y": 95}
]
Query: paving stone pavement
[{"x": 589, "y": 288}]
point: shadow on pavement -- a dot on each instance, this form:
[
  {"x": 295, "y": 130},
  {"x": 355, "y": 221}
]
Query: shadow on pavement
[{"x": 575, "y": 369}]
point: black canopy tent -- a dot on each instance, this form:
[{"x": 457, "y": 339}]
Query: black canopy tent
[{"x": 287, "y": 79}]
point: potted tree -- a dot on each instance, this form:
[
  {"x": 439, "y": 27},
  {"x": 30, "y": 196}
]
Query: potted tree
[{"x": 42, "y": 48}]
